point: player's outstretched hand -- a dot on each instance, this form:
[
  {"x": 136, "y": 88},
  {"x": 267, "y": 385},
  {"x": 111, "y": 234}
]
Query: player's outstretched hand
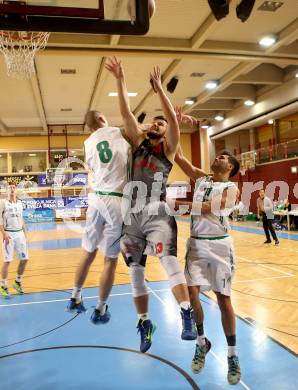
[
  {"x": 155, "y": 78},
  {"x": 115, "y": 67},
  {"x": 182, "y": 118}
]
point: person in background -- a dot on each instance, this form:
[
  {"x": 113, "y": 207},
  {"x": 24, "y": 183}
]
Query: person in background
[
  {"x": 265, "y": 210},
  {"x": 12, "y": 228}
]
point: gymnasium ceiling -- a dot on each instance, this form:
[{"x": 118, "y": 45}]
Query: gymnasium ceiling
[{"x": 184, "y": 40}]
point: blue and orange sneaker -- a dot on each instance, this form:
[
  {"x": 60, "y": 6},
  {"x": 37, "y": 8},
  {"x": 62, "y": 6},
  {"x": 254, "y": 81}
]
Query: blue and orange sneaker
[
  {"x": 146, "y": 329},
  {"x": 189, "y": 330},
  {"x": 97, "y": 318},
  {"x": 76, "y": 306}
]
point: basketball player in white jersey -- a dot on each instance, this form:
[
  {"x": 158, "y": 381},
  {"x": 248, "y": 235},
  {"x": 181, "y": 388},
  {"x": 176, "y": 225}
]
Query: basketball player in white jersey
[
  {"x": 107, "y": 154},
  {"x": 13, "y": 232},
  {"x": 210, "y": 257}
]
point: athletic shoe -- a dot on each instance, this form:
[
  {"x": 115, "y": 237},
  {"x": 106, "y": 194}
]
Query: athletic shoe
[
  {"x": 4, "y": 291},
  {"x": 146, "y": 329},
  {"x": 234, "y": 373},
  {"x": 198, "y": 360},
  {"x": 267, "y": 242},
  {"x": 189, "y": 330},
  {"x": 97, "y": 319},
  {"x": 18, "y": 287},
  {"x": 74, "y": 306},
  {"x": 276, "y": 242}
]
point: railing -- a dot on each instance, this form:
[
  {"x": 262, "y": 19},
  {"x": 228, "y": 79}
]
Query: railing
[{"x": 274, "y": 152}]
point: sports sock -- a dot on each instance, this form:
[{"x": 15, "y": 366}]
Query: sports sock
[
  {"x": 201, "y": 339},
  {"x": 77, "y": 293},
  {"x": 101, "y": 306},
  {"x": 19, "y": 278},
  {"x": 143, "y": 316},
  {"x": 4, "y": 283},
  {"x": 185, "y": 305},
  {"x": 232, "y": 350}
]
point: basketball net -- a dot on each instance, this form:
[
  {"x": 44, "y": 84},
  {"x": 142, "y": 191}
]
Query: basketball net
[{"x": 19, "y": 49}]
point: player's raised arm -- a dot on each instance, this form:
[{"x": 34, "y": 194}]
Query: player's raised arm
[
  {"x": 173, "y": 133},
  {"x": 130, "y": 123},
  {"x": 187, "y": 167}
]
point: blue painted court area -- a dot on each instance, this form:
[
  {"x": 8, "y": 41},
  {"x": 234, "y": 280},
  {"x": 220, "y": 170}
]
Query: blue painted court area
[
  {"x": 76, "y": 242},
  {"x": 44, "y": 347}
]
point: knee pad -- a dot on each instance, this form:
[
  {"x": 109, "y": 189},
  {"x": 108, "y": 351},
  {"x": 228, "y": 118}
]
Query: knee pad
[
  {"x": 172, "y": 268},
  {"x": 137, "y": 276}
]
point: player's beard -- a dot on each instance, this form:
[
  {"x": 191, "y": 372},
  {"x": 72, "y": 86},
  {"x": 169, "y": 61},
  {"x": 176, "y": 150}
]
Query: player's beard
[{"x": 154, "y": 135}]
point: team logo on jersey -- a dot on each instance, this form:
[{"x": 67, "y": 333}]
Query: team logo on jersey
[{"x": 158, "y": 248}]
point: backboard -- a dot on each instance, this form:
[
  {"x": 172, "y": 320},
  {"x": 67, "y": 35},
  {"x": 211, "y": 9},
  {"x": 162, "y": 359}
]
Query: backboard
[{"x": 76, "y": 16}]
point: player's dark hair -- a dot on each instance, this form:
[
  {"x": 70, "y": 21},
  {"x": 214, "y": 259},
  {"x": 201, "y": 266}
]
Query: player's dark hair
[
  {"x": 232, "y": 160},
  {"x": 161, "y": 117}
]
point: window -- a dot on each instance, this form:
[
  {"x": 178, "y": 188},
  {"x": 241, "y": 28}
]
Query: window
[
  {"x": 28, "y": 162},
  {"x": 3, "y": 163}
]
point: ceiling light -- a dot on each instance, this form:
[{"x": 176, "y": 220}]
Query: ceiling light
[
  {"x": 268, "y": 40},
  {"x": 205, "y": 127},
  {"x": 249, "y": 103},
  {"x": 296, "y": 75},
  {"x": 32, "y": 154},
  {"x": 270, "y": 5},
  {"x": 219, "y": 118},
  {"x": 212, "y": 84},
  {"x": 115, "y": 94},
  {"x": 189, "y": 102},
  {"x": 0, "y": 155},
  {"x": 68, "y": 71},
  {"x": 197, "y": 74},
  {"x": 270, "y": 122}
]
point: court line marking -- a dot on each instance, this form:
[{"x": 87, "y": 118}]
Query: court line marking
[
  {"x": 266, "y": 278},
  {"x": 266, "y": 266},
  {"x": 67, "y": 299},
  {"x": 213, "y": 353}
]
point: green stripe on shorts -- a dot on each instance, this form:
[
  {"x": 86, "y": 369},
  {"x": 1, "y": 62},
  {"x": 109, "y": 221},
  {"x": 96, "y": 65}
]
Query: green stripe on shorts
[
  {"x": 210, "y": 238},
  {"x": 111, "y": 193}
]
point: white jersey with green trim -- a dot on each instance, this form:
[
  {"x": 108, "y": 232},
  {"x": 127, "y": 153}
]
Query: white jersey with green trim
[
  {"x": 108, "y": 154},
  {"x": 11, "y": 215},
  {"x": 216, "y": 223}
]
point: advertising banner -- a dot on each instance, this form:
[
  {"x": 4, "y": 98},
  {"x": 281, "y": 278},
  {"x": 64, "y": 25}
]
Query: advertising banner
[
  {"x": 77, "y": 201},
  {"x": 43, "y": 203},
  {"x": 31, "y": 216},
  {"x": 68, "y": 213},
  {"x": 73, "y": 179}
]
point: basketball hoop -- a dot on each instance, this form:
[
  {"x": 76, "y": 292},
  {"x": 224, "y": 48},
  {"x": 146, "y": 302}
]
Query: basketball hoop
[{"x": 19, "y": 49}]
